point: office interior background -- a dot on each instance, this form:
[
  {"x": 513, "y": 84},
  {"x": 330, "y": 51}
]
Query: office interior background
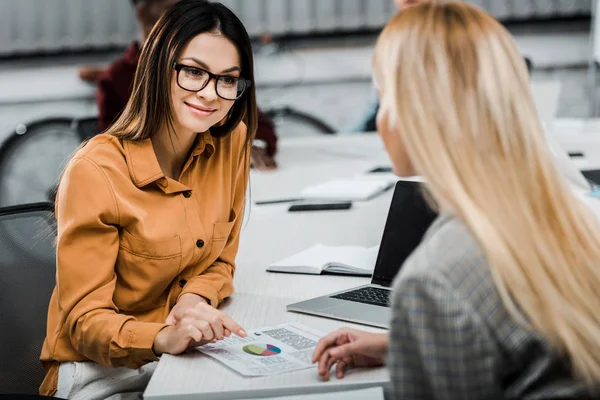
[
  {"x": 313, "y": 73},
  {"x": 312, "y": 56}
]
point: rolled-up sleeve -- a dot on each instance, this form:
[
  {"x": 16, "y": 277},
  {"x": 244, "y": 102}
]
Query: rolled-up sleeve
[
  {"x": 439, "y": 348},
  {"x": 87, "y": 249}
]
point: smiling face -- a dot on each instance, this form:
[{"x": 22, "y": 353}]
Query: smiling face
[{"x": 199, "y": 111}]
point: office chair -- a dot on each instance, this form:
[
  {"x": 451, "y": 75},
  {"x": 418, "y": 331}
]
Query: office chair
[
  {"x": 32, "y": 158},
  {"x": 27, "y": 278}
]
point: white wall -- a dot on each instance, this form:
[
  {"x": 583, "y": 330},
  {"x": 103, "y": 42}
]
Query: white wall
[{"x": 31, "y": 26}]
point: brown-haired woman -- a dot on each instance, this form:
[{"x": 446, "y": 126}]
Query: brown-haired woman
[{"x": 149, "y": 213}]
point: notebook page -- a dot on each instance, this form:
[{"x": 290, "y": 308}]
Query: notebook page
[
  {"x": 357, "y": 258},
  {"x": 318, "y": 256},
  {"x": 347, "y": 189}
]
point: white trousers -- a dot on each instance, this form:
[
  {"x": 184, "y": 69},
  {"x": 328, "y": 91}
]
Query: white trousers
[{"x": 91, "y": 381}]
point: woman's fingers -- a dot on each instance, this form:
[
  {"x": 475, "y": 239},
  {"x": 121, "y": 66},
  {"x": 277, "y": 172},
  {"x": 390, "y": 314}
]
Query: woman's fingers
[
  {"x": 326, "y": 363},
  {"x": 341, "y": 368},
  {"x": 345, "y": 350},
  {"x": 217, "y": 326},
  {"x": 232, "y": 326},
  {"x": 330, "y": 363},
  {"x": 335, "y": 337},
  {"x": 206, "y": 330},
  {"x": 193, "y": 334},
  {"x": 222, "y": 325},
  {"x": 322, "y": 368}
]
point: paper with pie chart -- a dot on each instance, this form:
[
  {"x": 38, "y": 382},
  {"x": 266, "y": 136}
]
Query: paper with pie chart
[
  {"x": 267, "y": 351},
  {"x": 263, "y": 350}
]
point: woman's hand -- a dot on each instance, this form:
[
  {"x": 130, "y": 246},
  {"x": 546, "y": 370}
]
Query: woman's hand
[
  {"x": 186, "y": 301},
  {"x": 261, "y": 160},
  {"x": 194, "y": 323},
  {"x": 349, "y": 348}
]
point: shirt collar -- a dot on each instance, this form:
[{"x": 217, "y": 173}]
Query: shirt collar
[
  {"x": 143, "y": 165},
  {"x": 141, "y": 162},
  {"x": 204, "y": 144}
]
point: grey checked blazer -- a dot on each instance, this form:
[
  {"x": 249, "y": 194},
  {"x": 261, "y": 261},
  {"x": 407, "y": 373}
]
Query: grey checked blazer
[{"x": 451, "y": 336}]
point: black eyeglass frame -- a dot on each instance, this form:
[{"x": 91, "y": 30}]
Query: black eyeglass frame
[{"x": 178, "y": 67}]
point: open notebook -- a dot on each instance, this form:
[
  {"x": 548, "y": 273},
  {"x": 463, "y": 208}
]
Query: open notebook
[
  {"x": 359, "y": 189},
  {"x": 350, "y": 260}
]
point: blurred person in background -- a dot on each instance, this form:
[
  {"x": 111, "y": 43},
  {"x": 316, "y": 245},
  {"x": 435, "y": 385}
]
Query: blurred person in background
[
  {"x": 367, "y": 121},
  {"x": 149, "y": 212},
  {"x": 115, "y": 84},
  {"x": 500, "y": 300}
]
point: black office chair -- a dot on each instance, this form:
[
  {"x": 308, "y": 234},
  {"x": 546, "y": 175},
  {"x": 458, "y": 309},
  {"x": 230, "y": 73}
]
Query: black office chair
[
  {"x": 32, "y": 158},
  {"x": 27, "y": 278},
  {"x": 296, "y": 122}
]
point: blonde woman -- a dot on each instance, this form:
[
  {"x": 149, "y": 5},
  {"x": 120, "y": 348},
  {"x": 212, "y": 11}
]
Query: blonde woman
[{"x": 501, "y": 299}]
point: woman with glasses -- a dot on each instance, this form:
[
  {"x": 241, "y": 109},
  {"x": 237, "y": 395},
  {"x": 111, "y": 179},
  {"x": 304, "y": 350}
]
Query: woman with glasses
[
  {"x": 149, "y": 213},
  {"x": 500, "y": 300}
]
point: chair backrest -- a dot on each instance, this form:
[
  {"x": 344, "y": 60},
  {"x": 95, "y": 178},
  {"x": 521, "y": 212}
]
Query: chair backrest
[
  {"x": 27, "y": 278},
  {"x": 32, "y": 159}
]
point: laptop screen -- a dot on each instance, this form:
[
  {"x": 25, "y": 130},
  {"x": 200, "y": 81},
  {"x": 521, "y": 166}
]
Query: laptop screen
[{"x": 408, "y": 220}]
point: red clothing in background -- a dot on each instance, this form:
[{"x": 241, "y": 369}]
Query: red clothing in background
[{"x": 116, "y": 84}]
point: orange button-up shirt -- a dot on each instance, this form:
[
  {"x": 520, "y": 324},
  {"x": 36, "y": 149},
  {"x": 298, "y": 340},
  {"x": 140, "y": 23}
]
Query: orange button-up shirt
[{"x": 131, "y": 241}]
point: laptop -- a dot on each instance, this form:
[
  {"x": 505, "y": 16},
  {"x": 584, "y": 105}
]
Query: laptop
[{"x": 408, "y": 219}]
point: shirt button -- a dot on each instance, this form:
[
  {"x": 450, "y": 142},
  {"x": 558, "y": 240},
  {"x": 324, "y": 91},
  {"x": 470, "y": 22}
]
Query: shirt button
[
  {"x": 200, "y": 243},
  {"x": 182, "y": 282},
  {"x": 187, "y": 194}
]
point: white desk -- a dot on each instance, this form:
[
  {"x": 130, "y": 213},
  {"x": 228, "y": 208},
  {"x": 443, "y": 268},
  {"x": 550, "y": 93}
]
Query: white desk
[
  {"x": 272, "y": 233},
  {"x": 194, "y": 375}
]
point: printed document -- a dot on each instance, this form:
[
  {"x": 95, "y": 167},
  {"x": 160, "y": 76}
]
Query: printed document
[{"x": 267, "y": 351}]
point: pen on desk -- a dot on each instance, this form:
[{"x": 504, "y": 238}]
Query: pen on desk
[{"x": 278, "y": 201}]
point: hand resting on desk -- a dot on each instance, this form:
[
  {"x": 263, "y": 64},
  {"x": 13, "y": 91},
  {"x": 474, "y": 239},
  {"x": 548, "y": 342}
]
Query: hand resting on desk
[
  {"x": 350, "y": 348},
  {"x": 193, "y": 322},
  {"x": 261, "y": 160}
]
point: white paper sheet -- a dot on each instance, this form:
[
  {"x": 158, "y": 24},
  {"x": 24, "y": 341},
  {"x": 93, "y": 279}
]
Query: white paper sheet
[
  {"x": 267, "y": 351},
  {"x": 348, "y": 189}
]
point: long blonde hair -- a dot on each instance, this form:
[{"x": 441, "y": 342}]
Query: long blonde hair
[{"x": 456, "y": 90}]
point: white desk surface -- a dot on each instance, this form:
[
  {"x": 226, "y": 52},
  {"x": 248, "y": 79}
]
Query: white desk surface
[
  {"x": 271, "y": 233},
  {"x": 195, "y": 375}
]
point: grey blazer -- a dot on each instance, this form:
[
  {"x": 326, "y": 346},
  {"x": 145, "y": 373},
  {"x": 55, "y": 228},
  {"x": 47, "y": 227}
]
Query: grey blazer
[{"x": 452, "y": 337}]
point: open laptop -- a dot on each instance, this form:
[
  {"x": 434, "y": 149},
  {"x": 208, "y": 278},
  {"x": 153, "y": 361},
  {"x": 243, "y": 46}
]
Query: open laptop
[{"x": 408, "y": 219}]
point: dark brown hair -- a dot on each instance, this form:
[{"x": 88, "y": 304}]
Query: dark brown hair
[{"x": 149, "y": 107}]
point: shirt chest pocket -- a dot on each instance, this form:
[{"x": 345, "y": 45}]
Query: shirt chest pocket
[{"x": 145, "y": 271}]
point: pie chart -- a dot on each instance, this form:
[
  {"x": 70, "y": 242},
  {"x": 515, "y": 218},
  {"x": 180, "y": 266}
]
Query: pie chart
[{"x": 263, "y": 350}]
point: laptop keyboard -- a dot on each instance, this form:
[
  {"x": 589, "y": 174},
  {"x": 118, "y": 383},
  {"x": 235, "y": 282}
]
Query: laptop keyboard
[{"x": 367, "y": 295}]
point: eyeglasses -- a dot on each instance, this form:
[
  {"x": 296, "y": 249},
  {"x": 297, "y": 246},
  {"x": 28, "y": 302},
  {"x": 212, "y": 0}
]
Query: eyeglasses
[{"x": 194, "y": 79}]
